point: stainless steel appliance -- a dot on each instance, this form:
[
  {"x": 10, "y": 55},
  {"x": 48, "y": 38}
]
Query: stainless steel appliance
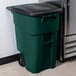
[{"x": 69, "y": 35}]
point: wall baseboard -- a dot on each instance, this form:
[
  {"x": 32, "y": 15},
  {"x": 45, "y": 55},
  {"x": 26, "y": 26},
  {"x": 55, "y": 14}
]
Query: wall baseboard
[{"x": 9, "y": 59}]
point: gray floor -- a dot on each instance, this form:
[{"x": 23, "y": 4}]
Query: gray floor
[{"x": 13, "y": 69}]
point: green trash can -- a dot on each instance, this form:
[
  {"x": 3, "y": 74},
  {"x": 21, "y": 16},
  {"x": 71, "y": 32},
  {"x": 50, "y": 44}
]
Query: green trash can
[{"x": 37, "y": 27}]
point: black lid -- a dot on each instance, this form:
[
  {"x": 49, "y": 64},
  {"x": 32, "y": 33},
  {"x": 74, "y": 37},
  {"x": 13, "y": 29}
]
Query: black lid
[{"x": 35, "y": 9}]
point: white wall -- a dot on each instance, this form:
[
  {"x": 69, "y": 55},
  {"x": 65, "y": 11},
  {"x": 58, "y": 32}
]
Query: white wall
[{"x": 7, "y": 31}]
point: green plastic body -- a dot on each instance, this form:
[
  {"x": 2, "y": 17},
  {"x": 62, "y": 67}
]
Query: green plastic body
[
  {"x": 37, "y": 25},
  {"x": 37, "y": 40}
]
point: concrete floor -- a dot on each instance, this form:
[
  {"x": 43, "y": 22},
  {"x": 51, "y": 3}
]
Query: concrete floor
[{"x": 13, "y": 69}]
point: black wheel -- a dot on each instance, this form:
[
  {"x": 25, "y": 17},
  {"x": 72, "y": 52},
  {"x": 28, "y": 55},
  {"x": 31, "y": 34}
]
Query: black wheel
[{"x": 21, "y": 60}]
